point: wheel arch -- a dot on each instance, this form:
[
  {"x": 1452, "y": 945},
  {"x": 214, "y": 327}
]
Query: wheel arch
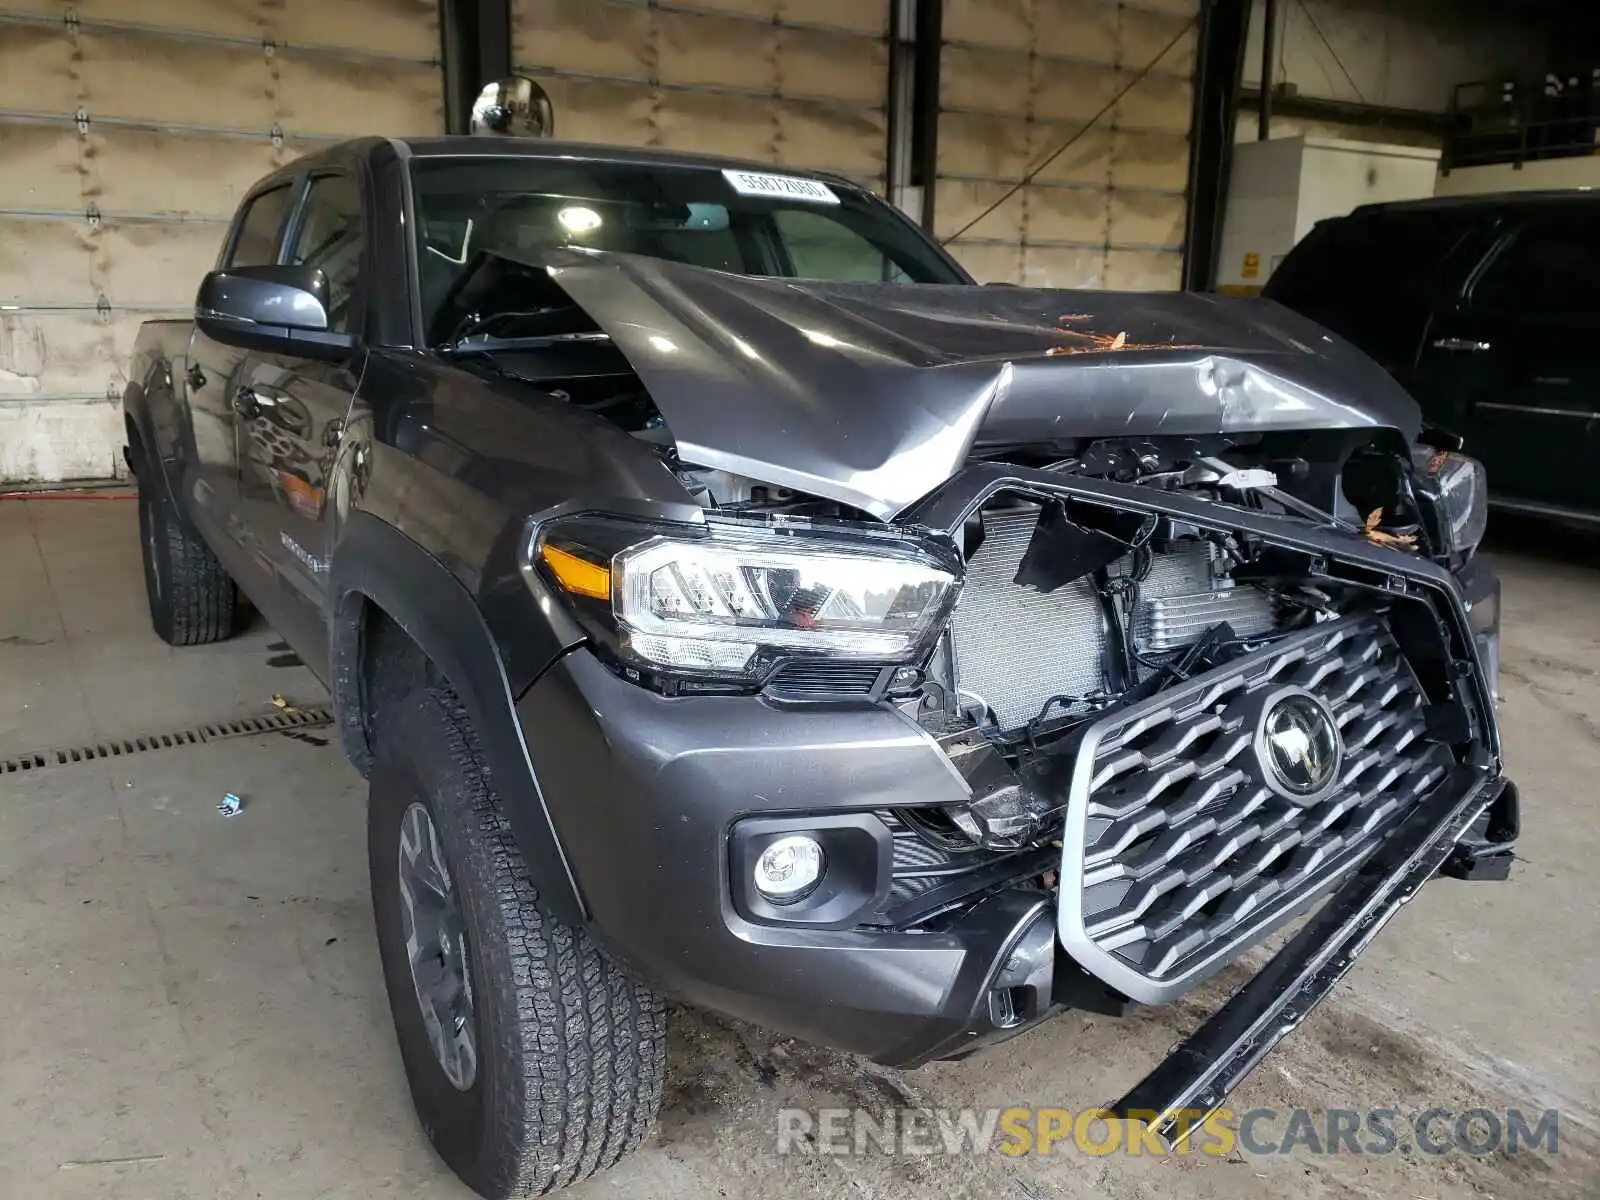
[
  {"x": 147, "y": 467},
  {"x": 147, "y": 454},
  {"x": 379, "y": 575}
]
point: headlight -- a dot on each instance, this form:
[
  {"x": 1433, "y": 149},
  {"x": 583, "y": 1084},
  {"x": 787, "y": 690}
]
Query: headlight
[
  {"x": 731, "y": 601},
  {"x": 1456, "y": 488}
]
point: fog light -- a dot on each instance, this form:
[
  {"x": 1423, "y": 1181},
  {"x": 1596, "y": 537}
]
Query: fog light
[{"x": 788, "y": 869}]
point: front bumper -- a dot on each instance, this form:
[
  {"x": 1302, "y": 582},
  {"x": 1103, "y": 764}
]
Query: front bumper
[{"x": 645, "y": 791}]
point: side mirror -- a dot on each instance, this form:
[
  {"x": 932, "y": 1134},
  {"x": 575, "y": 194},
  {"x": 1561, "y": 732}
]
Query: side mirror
[{"x": 282, "y": 310}]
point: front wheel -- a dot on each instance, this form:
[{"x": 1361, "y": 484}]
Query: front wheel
[{"x": 534, "y": 1059}]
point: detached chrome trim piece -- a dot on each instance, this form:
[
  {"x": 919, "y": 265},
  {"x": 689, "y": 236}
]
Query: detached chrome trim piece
[{"x": 1195, "y": 1078}]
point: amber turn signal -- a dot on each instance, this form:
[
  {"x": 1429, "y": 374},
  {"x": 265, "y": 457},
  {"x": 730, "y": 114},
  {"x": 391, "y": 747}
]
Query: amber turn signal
[{"x": 576, "y": 575}]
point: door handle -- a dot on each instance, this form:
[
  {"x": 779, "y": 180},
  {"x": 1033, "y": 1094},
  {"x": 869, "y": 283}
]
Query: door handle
[
  {"x": 1461, "y": 344},
  {"x": 246, "y": 403}
]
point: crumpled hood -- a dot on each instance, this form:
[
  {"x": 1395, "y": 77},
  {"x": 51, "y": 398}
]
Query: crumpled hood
[{"x": 873, "y": 394}]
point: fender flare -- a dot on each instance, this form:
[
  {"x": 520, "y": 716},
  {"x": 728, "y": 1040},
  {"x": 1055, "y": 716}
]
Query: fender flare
[
  {"x": 151, "y": 459},
  {"x": 375, "y": 562}
]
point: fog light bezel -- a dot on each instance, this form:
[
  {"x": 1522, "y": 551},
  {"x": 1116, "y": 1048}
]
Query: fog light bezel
[{"x": 858, "y": 859}]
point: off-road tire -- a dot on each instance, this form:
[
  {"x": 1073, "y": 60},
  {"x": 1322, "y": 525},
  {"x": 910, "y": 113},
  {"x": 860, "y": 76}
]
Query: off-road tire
[
  {"x": 571, "y": 1045},
  {"x": 192, "y": 598}
]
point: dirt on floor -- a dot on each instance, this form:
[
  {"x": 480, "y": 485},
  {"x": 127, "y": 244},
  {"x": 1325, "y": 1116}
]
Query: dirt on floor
[{"x": 729, "y": 1082}]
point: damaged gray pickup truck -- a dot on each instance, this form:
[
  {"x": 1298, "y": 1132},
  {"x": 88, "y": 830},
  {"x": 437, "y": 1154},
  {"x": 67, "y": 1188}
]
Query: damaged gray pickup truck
[{"x": 728, "y": 599}]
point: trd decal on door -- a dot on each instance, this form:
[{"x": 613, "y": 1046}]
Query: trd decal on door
[{"x": 317, "y": 566}]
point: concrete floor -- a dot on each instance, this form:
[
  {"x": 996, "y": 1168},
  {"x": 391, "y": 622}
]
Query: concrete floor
[{"x": 193, "y": 1006}]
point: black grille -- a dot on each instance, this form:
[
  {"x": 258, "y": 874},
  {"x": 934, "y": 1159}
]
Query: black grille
[
  {"x": 919, "y": 864},
  {"x": 821, "y": 680},
  {"x": 933, "y": 871},
  {"x": 1179, "y": 851}
]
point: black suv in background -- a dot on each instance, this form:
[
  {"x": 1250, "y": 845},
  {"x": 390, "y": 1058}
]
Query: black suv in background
[{"x": 1487, "y": 308}]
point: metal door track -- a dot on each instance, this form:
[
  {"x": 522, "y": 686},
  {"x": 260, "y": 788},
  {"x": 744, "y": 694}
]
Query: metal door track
[{"x": 194, "y": 735}]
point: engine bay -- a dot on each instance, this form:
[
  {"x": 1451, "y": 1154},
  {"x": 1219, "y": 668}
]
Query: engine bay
[{"x": 1073, "y": 609}]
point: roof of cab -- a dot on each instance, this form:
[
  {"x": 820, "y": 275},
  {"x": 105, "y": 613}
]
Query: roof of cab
[{"x": 510, "y": 147}]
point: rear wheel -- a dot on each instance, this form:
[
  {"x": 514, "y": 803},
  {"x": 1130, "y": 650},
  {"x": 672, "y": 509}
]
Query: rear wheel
[
  {"x": 192, "y": 598},
  {"x": 534, "y": 1059}
]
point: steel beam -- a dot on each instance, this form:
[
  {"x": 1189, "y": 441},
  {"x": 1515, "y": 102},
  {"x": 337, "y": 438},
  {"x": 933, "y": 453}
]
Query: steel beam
[
  {"x": 474, "y": 47},
  {"x": 1218, "y": 68},
  {"x": 925, "y": 103}
]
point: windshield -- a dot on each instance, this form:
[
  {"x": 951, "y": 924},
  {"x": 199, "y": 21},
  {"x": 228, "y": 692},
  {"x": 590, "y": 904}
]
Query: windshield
[{"x": 745, "y": 222}]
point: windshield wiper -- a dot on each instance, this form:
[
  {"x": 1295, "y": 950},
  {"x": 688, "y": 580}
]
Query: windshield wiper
[
  {"x": 482, "y": 343},
  {"x": 552, "y": 317}
]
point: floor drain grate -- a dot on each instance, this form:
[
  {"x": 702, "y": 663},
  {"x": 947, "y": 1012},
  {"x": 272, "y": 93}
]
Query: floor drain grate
[{"x": 195, "y": 735}]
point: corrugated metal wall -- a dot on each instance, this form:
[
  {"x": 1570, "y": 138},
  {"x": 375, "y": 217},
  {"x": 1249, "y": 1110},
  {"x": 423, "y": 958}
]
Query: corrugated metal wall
[
  {"x": 128, "y": 132},
  {"x": 129, "y": 129},
  {"x": 1018, "y": 77},
  {"x": 796, "y": 83}
]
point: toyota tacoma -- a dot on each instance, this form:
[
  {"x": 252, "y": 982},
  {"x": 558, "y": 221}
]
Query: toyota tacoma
[{"x": 728, "y": 599}]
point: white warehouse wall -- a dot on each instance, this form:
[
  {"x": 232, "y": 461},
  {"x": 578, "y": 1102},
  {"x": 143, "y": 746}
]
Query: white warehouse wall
[
  {"x": 129, "y": 131},
  {"x": 1280, "y": 188}
]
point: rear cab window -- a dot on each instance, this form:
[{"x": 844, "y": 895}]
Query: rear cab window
[
  {"x": 725, "y": 219},
  {"x": 819, "y": 247},
  {"x": 255, "y": 240}
]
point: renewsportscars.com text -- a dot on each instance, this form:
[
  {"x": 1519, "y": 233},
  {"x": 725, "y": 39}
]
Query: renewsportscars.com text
[{"x": 1258, "y": 1132}]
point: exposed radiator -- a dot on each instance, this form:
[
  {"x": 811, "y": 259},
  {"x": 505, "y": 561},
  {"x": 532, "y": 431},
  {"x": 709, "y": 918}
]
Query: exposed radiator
[
  {"x": 1172, "y": 622},
  {"x": 1185, "y": 593},
  {"x": 1017, "y": 647}
]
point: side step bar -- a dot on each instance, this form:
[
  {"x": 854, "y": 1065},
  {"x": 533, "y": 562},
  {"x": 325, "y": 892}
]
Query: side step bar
[{"x": 1194, "y": 1080}]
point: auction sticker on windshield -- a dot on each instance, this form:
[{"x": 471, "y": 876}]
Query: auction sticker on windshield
[{"x": 780, "y": 187}]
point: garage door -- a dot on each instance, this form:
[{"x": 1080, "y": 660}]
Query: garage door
[
  {"x": 1017, "y": 79},
  {"x": 793, "y": 84},
  {"x": 127, "y": 132}
]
